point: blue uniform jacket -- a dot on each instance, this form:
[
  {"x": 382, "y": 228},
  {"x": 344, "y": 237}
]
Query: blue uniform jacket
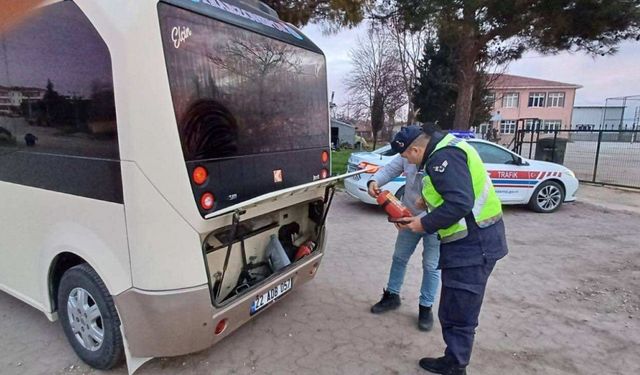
[{"x": 450, "y": 176}]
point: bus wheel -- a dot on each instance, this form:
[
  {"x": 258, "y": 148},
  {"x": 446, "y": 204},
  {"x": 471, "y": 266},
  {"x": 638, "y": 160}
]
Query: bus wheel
[{"x": 89, "y": 318}]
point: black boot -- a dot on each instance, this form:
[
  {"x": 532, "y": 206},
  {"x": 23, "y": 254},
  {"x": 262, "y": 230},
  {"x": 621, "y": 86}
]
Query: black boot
[
  {"x": 389, "y": 301},
  {"x": 442, "y": 365},
  {"x": 425, "y": 318}
]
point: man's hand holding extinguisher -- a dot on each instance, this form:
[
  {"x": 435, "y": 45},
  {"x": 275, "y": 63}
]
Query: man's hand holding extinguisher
[
  {"x": 384, "y": 198},
  {"x": 374, "y": 190},
  {"x": 413, "y": 223}
]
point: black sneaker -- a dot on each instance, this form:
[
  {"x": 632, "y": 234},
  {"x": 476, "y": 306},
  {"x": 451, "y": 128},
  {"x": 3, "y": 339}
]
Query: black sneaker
[
  {"x": 442, "y": 365},
  {"x": 389, "y": 301},
  {"x": 425, "y": 318}
]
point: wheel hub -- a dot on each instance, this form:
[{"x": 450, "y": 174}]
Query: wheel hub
[
  {"x": 85, "y": 319},
  {"x": 549, "y": 197}
]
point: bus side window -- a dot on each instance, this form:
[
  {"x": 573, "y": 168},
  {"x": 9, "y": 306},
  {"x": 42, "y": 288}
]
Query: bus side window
[
  {"x": 56, "y": 86},
  {"x": 58, "y": 126}
]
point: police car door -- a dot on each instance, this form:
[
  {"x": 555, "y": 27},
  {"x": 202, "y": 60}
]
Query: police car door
[{"x": 510, "y": 177}]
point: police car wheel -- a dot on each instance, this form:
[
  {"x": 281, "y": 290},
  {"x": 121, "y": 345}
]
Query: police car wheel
[{"x": 547, "y": 198}]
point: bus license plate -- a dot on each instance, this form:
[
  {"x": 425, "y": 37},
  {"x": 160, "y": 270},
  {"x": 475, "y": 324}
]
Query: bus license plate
[{"x": 271, "y": 295}]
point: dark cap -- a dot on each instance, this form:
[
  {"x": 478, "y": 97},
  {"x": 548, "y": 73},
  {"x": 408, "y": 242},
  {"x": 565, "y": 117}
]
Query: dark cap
[{"x": 405, "y": 137}]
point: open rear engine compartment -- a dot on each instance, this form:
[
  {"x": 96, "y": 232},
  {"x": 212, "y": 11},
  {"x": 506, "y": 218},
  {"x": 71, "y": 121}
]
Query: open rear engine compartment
[{"x": 249, "y": 252}]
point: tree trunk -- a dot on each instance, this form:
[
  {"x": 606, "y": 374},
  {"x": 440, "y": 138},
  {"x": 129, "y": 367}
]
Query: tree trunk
[
  {"x": 410, "y": 110},
  {"x": 465, "y": 78}
]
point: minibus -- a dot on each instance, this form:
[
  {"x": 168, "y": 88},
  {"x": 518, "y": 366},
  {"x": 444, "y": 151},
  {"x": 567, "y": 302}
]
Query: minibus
[{"x": 152, "y": 154}]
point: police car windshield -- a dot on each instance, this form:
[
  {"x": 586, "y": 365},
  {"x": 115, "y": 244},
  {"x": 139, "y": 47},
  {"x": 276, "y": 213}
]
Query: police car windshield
[
  {"x": 384, "y": 151},
  {"x": 236, "y": 92}
]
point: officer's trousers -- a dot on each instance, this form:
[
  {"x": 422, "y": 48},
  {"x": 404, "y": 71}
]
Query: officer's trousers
[{"x": 460, "y": 301}]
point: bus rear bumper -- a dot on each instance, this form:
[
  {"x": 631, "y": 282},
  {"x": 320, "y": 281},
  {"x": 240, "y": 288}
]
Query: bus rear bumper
[{"x": 171, "y": 323}]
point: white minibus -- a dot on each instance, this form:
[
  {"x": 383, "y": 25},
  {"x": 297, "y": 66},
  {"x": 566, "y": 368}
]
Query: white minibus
[{"x": 152, "y": 154}]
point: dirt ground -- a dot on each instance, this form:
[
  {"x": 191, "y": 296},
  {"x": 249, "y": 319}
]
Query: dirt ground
[{"x": 566, "y": 300}]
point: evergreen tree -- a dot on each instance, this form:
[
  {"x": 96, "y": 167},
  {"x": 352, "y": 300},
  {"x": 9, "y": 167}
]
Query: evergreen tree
[
  {"x": 336, "y": 13},
  {"x": 499, "y": 31},
  {"x": 436, "y": 91}
]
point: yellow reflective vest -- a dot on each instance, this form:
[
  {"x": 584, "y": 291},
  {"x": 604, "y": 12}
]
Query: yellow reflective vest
[{"x": 487, "y": 208}]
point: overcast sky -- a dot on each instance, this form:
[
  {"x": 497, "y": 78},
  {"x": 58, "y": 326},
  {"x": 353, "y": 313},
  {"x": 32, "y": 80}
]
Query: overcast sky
[{"x": 602, "y": 77}]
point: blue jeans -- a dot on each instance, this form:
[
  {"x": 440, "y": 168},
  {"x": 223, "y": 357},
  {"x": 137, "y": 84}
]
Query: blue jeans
[{"x": 406, "y": 244}]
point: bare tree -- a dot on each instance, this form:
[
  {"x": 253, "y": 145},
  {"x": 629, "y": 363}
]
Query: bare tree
[
  {"x": 409, "y": 45},
  {"x": 376, "y": 74}
]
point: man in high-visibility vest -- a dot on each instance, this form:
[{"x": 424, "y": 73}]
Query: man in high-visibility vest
[{"x": 467, "y": 215}]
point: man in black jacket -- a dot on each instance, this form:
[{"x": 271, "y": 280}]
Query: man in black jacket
[{"x": 466, "y": 213}]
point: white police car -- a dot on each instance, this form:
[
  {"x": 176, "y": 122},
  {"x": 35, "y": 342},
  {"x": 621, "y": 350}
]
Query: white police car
[{"x": 542, "y": 185}]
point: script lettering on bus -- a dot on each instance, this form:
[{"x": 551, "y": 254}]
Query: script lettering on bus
[{"x": 179, "y": 35}]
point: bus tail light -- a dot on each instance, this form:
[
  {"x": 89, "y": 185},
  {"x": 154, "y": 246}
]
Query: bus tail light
[
  {"x": 200, "y": 175},
  {"x": 221, "y": 326},
  {"x": 324, "y": 173},
  {"x": 325, "y": 157},
  {"x": 207, "y": 201}
]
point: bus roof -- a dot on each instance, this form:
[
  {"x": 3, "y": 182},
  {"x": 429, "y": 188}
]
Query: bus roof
[{"x": 240, "y": 14}]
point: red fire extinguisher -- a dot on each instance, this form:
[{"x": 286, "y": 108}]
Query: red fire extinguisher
[
  {"x": 305, "y": 249},
  {"x": 395, "y": 209}
]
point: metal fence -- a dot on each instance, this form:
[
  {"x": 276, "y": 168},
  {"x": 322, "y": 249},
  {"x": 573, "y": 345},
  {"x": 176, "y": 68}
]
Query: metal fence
[{"x": 610, "y": 157}]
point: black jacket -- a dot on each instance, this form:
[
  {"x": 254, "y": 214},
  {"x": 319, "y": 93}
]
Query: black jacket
[{"x": 450, "y": 176}]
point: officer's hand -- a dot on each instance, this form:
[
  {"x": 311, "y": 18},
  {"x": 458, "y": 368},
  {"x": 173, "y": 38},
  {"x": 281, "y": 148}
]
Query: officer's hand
[
  {"x": 413, "y": 224},
  {"x": 420, "y": 204},
  {"x": 374, "y": 190}
]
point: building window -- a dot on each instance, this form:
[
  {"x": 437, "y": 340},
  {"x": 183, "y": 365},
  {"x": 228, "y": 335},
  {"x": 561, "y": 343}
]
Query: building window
[
  {"x": 556, "y": 99},
  {"x": 549, "y": 126},
  {"x": 585, "y": 126},
  {"x": 531, "y": 126},
  {"x": 510, "y": 100},
  {"x": 536, "y": 99},
  {"x": 483, "y": 128},
  {"x": 507, "y": 127},
  {"x": 490, "y": 98}
]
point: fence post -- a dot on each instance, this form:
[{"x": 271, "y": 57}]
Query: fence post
[
  {"x": 595, "y": 166},
  {"x": 537, "y": 139},
  {"x": 553, "y": 150}
]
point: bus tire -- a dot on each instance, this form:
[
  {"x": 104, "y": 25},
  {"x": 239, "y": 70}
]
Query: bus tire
[{"x": 89, "y": 318}]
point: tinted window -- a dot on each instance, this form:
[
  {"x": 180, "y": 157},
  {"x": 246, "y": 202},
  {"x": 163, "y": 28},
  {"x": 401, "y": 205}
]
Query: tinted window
[
  {"x": 493, "y": 154},
  {"x": 236, "y": 92},
  {"x": 56, "y": 86},
  {"x": 57, "y": 112}
]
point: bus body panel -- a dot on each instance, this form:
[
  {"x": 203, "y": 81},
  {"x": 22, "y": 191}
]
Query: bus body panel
[
  {"x": 154, "y": 329},
  {"x": 165, "y": 251},
  {"x": 91, "y": 229}
]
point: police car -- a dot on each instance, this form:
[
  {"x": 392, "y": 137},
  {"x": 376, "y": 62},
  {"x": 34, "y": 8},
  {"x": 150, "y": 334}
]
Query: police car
[{"x": 542, "y": 185}]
